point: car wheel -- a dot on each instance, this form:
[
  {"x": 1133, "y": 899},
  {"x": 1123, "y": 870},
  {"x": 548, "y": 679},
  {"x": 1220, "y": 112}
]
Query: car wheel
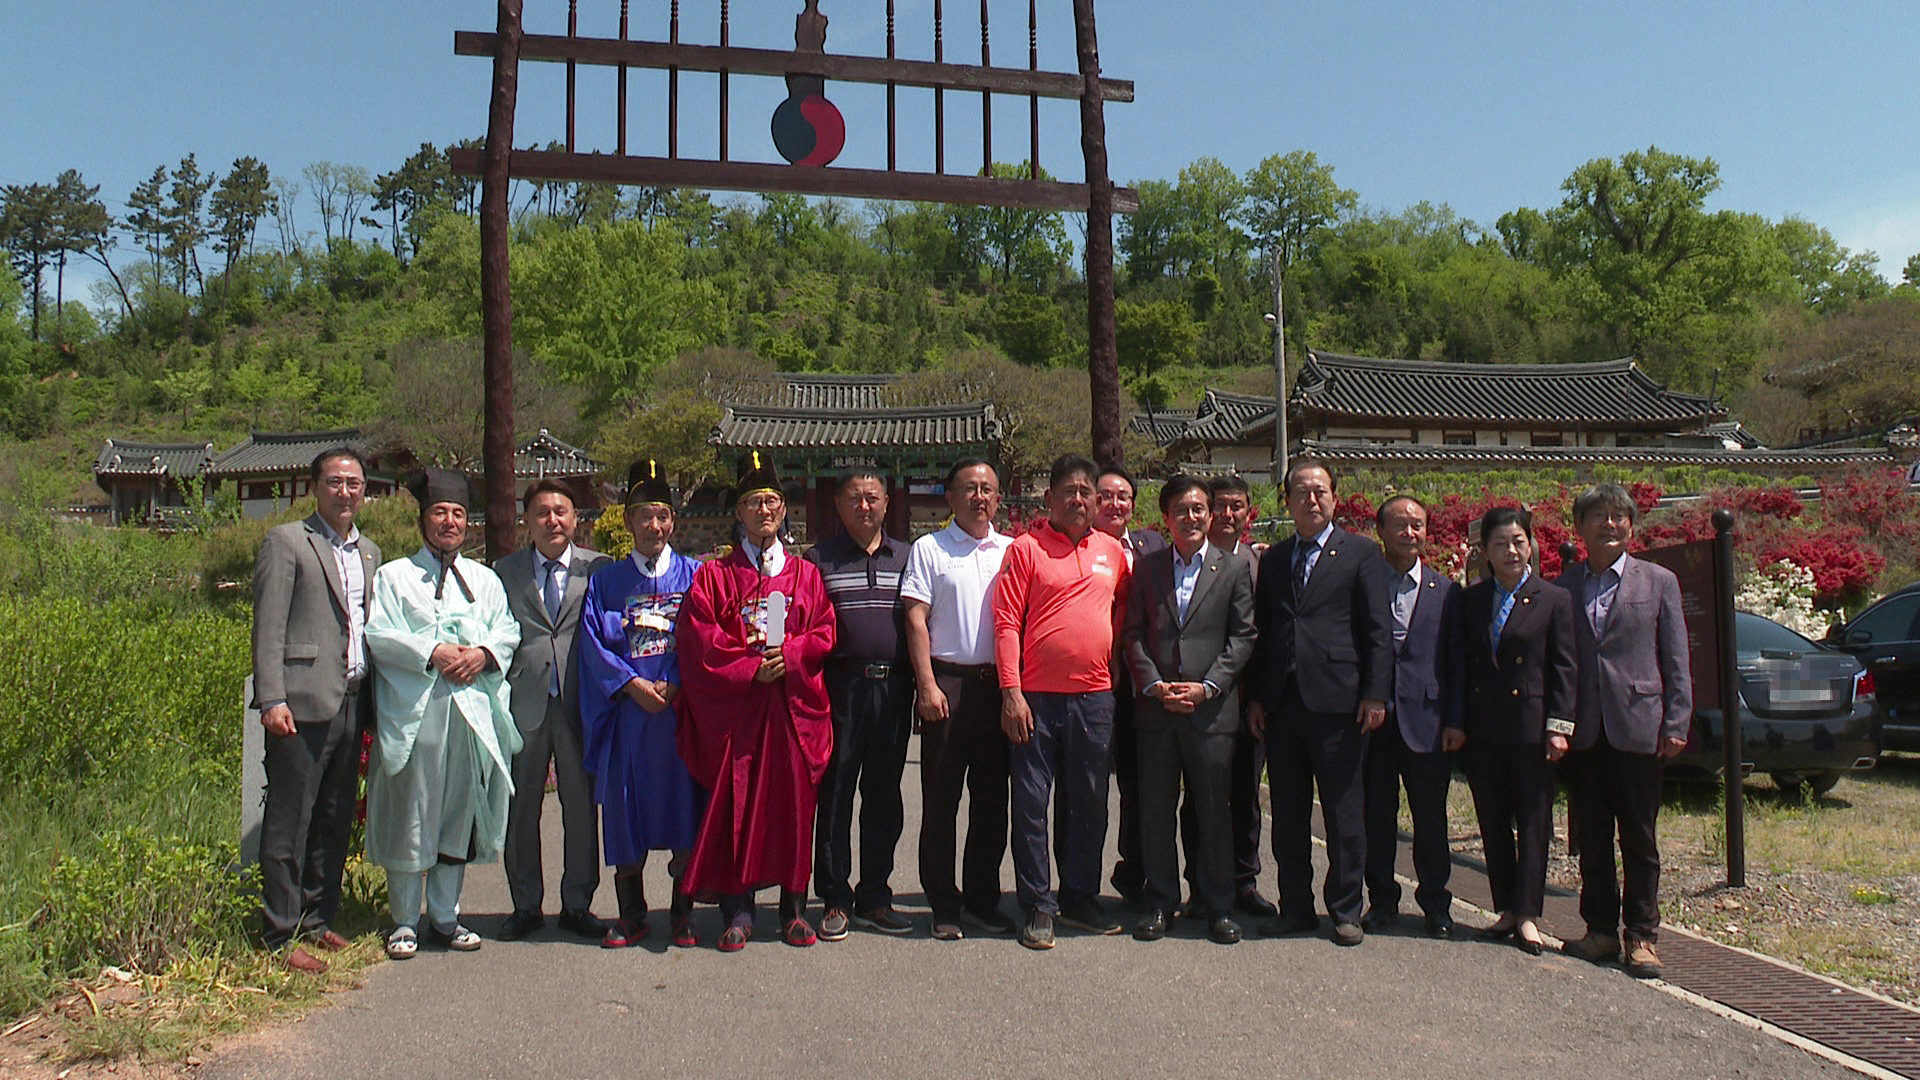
[
  {"x": 1822, "y": 782},
  {"x": 1793, "y": 783}
]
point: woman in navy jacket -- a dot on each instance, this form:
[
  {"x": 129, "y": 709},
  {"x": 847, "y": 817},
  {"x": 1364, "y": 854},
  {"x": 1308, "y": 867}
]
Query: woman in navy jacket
[{"x": 1520, "y": 682}]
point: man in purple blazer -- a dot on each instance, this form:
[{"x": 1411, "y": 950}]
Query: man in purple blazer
[
  {"x": 1428, "y": 698},
  {"x": 1634, "y": 707}
]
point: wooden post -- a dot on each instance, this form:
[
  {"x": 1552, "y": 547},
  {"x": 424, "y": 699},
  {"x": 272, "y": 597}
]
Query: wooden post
[
  {"x": 496, "y": 296},
  {"x": 1733, "y": 739},
  {"x": 1103, "y": 356}
]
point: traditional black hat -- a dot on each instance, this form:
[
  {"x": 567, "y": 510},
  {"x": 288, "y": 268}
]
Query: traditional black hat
[
  {"x": 645, "y": 484},
  {"x": 430, "y": 486},
  {"x": 756, "y": 475}
]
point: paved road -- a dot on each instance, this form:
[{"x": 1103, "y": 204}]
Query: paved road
[{"x": 873, "y": 1006}]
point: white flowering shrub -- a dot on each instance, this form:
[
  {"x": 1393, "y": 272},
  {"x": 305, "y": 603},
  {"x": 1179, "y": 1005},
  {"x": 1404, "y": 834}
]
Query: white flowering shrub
[{"x": 1783, "y": 592}]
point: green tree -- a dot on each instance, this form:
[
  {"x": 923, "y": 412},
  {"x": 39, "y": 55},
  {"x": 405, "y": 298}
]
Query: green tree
[
  {"x": 183, "y": 223},
  {"x": 185, "y": 388},
  {"x": 1292, "y": 199},
  {"x": 1826, "y": 277},
  {"x": 425, "y": 179},
  {"x": 339, "y": 191},
  {"x": 1153, "y": 336},
  {"x": 30, "y": 232},
  {"x": 1146, "y": 237},
  {"x": 1028, "y": 246},
  {"x": 245, "y": 195},
  {"x": 1211, "y": 199}
]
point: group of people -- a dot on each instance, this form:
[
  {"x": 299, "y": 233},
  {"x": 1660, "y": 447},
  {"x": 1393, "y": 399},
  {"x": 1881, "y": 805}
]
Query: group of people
[{"x": 731, "y": 713}]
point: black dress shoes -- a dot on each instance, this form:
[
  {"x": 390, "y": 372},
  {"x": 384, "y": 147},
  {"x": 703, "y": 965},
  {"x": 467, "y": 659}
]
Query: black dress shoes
[
  {"x": 1440, "y": 927},
  {"x": 1250, "y": 902},
  {"x": 520, "y": 924},
  {"x": 583, "y": 923},
  {"x": 1379, "y": 919},
  {"x": 1151, "y": 928},
  {"x": 1283, "y": 925},
  {"x": 1222, "y": 930}
]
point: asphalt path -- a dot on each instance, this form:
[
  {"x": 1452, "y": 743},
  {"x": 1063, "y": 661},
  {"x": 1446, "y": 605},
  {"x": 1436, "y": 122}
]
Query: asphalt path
[{"x": 878, "y": 1006}]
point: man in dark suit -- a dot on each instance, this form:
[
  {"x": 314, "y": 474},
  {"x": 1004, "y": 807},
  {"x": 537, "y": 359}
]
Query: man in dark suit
[
  {"x": 545, "y": 582},
  {"x": 1113, "y": 499},
  {"x": 1322, "y": 673},
  {"x": 1188, "y": 635},
  {"x": 312, "y": 585},
  {"x": 1635, "y": 704},
  {"x": 1427, "y": 699}
]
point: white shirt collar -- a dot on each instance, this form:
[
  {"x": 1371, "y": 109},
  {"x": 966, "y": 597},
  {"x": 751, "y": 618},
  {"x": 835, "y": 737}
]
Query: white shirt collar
[
  {"x": 963, "y": 538},
  {"x": 775, "y": 551},
  {"x": 1412, "y": 574},
  {"x": 565, "y": 560},
  {"x": 656, "y": 568},
  {"x": 1199, "y": 555}
]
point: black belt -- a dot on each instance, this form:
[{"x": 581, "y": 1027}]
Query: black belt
[
  {"x": 876, "y": 672},
  {"x": 983, "y": 672}
]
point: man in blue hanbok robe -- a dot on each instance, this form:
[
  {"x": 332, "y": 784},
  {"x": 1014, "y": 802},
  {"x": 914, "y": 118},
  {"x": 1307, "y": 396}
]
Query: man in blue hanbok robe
[{"x": 629, "y": 683}]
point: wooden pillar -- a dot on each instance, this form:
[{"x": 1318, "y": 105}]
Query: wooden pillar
[
  {"x": 496, "y": 296},
  {"x": 1103, "y": 356}
]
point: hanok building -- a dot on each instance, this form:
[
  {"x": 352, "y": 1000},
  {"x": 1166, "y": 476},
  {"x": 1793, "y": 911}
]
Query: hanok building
[
  {"x": 143, "y": 480},
  {"x": 544, "y": 457},
  {"x": 270, "y": 470},
  {"x": 820, "y": 425},
  {"x": 1429, "y": 416}
]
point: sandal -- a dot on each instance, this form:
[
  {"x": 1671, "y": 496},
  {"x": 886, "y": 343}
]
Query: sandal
[
  {"x": 799, "y": 932},
  {"x": 459, "y": 939},
  {"x": 402, "y": 943},
  {"x": 734, "y": 938}
]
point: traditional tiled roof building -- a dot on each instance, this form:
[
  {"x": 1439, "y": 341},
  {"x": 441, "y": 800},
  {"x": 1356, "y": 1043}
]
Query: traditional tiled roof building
[
  {"x": 141, "y": 478},
  {"x": 269, "y": 470}
]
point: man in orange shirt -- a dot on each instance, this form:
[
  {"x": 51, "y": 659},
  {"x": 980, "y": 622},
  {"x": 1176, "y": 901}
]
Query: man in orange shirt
[{"x": 1053, "y": 623}]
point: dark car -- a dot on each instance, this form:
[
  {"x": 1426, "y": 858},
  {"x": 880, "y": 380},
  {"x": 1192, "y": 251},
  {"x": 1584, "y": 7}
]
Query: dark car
[
  {"x": 1886, "y": 638},
  {"x": 1807, "y": 716}
]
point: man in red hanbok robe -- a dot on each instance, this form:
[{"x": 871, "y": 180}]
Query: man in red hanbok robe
[{"x": 755, "y": 729}]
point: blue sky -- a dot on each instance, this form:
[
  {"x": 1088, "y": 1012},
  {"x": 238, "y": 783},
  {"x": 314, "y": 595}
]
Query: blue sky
[{"x": 1809, "y": 109}]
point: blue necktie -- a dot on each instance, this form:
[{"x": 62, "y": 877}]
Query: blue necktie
[
  {"x": 1302, "y": 549},
  {"x": 1500, "y": 614},
  {"x": 550, "y": 592}
]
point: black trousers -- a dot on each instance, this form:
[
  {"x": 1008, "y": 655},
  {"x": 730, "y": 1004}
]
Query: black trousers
[
  {"x": 1174, "y": 756},
  {"x": 1129, "y": 874},
  {"x": 307, "y": 823},
  {"x": 1328, "y": 750},
  {"x": 1512, "y": 787},
  {"x": 966, "y": 753},
  {"x": 1243, "y": 811},
  {"x": 1611, "y": 790},
  {"x": 1391, "y": 762},
  {"x": 558, "y": 740},
  {"x": 1070, "y": 755},
  {"x": 872, "y": 720}
]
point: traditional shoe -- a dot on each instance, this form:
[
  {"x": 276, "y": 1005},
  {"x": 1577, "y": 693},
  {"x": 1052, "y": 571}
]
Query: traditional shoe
[
  {"x": 622, "y": 933},
  {"x": 459, "y": 939},
  {"x": 833, "y": 925},
  {"x": 798, "y": 932},
  {"x": 684, "y": 934},
  {"x": 1595, "y": 948},
  {"x": 884, "y": 919},
  {"x": 402, "y": 943},
  {"x": 733, "y": 938},
  {"x": 1643, "y": 960},
  {"x": 305, "y": 962}
]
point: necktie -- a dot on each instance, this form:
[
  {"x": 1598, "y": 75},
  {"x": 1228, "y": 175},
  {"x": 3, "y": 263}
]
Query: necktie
[
  {"x": 1302, "y": 549},
  {"x": 1500, "y": 613},
  {"x": 550, "y": 592}
]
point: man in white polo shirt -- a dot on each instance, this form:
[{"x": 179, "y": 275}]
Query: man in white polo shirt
[{"x": 948, "y": 593}]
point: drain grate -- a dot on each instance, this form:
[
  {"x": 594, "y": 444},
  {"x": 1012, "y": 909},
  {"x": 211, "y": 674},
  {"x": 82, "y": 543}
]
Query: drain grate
[{"x": 1851, "y": 1022}]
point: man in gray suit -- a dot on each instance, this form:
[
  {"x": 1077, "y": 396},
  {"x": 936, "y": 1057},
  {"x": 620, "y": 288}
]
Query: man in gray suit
[
  {"x": 1634, "y": 707},
  {"x": 312, "y": 585},
  {"x": 545, "y": 582},
  {"x": 1188, "y": 633}
]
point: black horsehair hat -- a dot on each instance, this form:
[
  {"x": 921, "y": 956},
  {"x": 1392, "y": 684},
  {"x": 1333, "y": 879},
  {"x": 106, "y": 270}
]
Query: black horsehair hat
[
  {"x": 756, "y": 475},
  {"x": 646, "y": 486},
  {"x": 431, "y": 486}
]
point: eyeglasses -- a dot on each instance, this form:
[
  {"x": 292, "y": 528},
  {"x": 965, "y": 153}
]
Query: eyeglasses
[
  {"x": 763, "y": 502},
  {"x": 343, "y": 483}
]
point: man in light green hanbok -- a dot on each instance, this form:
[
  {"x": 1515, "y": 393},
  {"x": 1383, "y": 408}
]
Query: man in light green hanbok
[{"x": 442, "y": 637}]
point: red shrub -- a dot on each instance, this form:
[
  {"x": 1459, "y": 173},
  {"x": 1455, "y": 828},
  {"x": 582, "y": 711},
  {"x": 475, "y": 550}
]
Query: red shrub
[
  {"x": 1844, "y": 564},
  {"x": 1781, "y": 504},
  {"x": 1645, "y": 496},
  {"x": 1869, "y": 498}
]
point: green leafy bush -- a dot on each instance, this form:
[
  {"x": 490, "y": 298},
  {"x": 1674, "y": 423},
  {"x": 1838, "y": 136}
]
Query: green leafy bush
[{"x": 139, "y": 901}]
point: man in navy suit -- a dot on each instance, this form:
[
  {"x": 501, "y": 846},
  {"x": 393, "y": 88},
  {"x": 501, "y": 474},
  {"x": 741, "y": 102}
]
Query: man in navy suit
[
  {"x": 1322, "y": 673},
  {"x": 1427, "y": 699},
  {"x": 1634, "y": 707},
  {"x": 1113, "y": 495}
]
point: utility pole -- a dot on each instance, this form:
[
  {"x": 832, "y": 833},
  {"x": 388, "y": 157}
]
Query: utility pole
[{"x": 1279, "y": 377}]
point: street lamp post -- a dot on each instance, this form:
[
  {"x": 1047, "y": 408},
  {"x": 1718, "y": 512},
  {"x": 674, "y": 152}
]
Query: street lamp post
[{"x": 1278, "y": 319}]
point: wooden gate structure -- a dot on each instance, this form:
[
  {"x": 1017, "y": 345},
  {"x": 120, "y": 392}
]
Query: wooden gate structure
[{"x": 807, "y": 132}]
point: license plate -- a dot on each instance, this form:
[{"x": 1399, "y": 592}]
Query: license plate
[{"x": 1800, "y": 691}]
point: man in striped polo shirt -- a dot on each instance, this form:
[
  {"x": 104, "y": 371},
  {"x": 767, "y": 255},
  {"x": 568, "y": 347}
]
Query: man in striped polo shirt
[
  {"x": 870, "y": 688},
  {"x": 1053, "y": 632}
]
